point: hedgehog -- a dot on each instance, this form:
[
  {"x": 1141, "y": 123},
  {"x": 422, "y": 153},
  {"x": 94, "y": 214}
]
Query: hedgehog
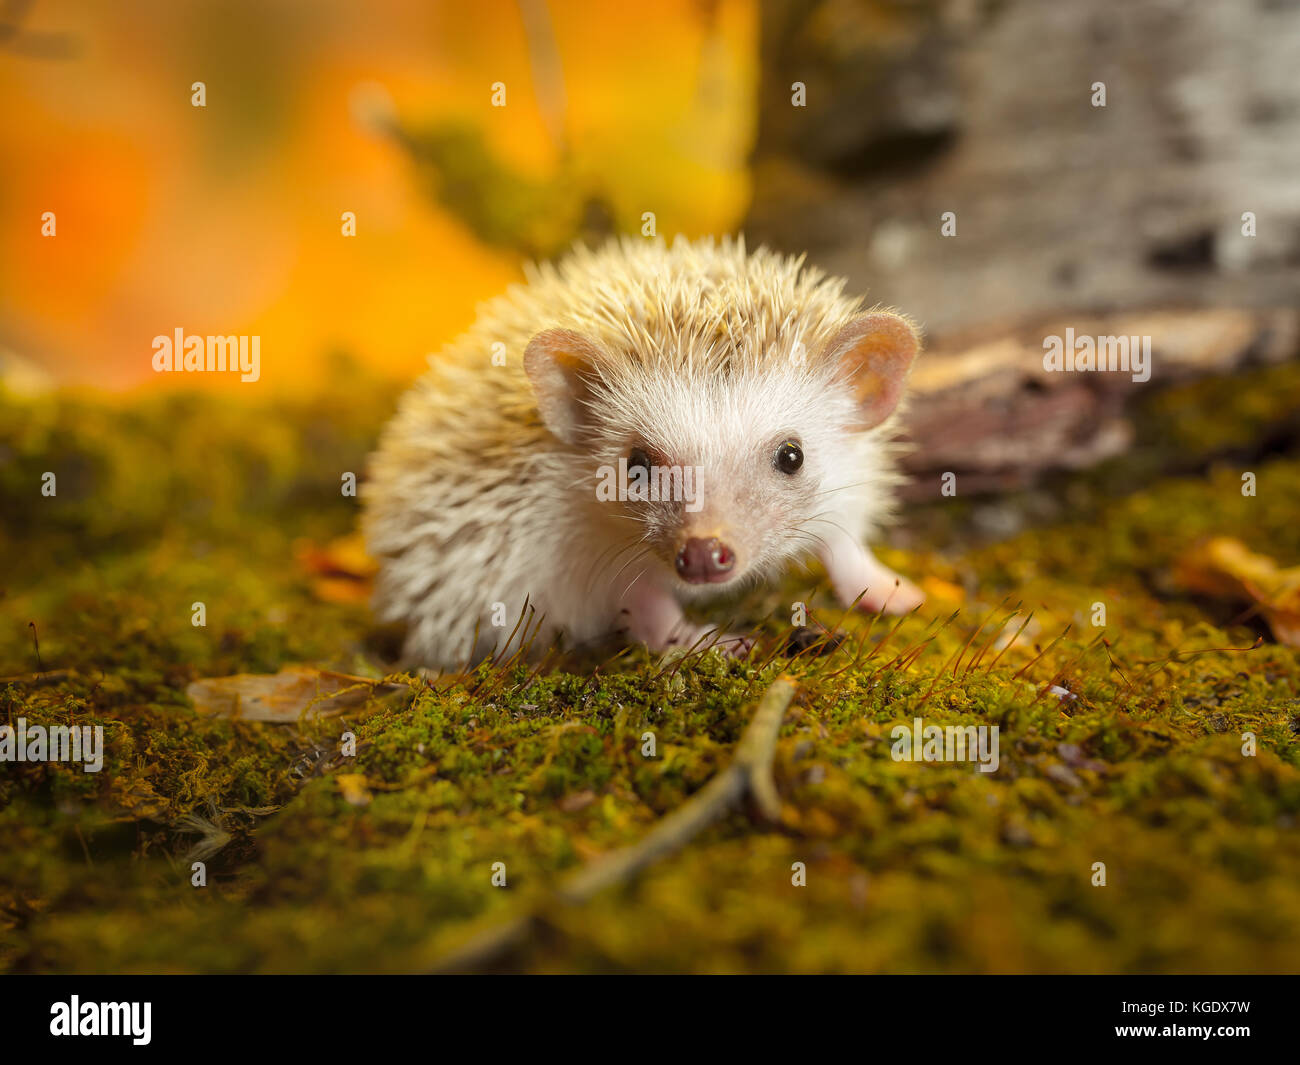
[{"x": 636, "y": 429}]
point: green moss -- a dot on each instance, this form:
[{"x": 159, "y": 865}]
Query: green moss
[{"x": 910, "y": 866}]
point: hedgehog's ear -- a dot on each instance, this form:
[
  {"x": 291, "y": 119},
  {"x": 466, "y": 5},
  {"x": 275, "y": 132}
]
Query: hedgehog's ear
[
  {"x": 875, "y": 353},
  {"x": 561, "y": 364}
]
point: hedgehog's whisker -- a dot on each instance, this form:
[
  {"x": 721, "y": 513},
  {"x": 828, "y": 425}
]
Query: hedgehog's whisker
[
  {"x": 841, "y": 488},
  {"x": 627, "y": 545},
  {"x": 801, "y": 533},
  {"x": 635, "y": 558},
  {"x": 639, "y": 574},
  {"x": 833, "y": 524},
  {"x": 609, "y": 556}
]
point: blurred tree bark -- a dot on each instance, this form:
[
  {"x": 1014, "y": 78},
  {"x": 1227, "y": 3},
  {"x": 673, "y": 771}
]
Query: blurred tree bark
[{"x": 1062, "y": 208}]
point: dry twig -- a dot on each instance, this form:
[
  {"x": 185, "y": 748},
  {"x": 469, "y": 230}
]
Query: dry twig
[{"x": 749, "y": 774}]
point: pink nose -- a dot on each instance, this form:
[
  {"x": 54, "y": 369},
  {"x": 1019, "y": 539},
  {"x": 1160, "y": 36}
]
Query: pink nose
[{"x": 705, "y": 561}]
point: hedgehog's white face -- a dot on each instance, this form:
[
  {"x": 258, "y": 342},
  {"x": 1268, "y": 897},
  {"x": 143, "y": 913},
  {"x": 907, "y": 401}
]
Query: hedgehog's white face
[
  {"x": 725, "y": 475},
  {"x": 730, "y": 479}
]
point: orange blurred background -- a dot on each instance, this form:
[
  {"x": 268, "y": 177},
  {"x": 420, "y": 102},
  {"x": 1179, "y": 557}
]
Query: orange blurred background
[{"x": 226, "y": 219}]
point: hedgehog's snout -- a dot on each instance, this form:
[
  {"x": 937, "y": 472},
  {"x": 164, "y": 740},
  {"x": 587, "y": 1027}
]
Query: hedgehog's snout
[{"x": 705, "y": 561}]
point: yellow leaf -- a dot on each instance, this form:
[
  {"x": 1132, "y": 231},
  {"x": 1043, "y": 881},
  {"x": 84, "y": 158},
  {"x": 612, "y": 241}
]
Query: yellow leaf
[
  {"x": 353, "y": 788},
  {"x": 1226, "y": 568}
]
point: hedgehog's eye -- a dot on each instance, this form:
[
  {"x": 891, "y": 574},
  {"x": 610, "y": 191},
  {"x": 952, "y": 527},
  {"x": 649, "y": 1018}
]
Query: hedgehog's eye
[
  {"x": 636, "y": 457},
  {"x": 789, "y": 457}
]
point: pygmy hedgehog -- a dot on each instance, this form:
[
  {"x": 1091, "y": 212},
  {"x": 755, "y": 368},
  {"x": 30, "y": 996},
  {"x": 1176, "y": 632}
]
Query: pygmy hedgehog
[{"x": 634, "y": 429}]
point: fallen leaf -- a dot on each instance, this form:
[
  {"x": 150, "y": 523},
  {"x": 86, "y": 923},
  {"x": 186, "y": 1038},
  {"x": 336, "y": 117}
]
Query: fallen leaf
[
  {"x": 344, "y": 590},
  {"x": 944, "y": 591},
  {"x": 353, "y": 788},
  {"x": 341, "y": 571},
  {"x": 1226, "y": 568},
  {"x": 284, "y": 696},
  {"x": 577, "y": 801}
]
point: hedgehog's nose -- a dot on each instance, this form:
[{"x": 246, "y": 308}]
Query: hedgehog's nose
[{"x": 705, "y": 561}]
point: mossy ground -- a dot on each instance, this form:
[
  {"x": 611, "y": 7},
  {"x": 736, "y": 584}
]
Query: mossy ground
[{"x": 168, "y": 501}]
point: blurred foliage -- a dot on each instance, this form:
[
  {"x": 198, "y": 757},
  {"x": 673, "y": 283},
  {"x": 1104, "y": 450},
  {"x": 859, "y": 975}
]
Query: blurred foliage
[
  {"x": 227, "y": 219},
  {"x": 501, "y": 207}
]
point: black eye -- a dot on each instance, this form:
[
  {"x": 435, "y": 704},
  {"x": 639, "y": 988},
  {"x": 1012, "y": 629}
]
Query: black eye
[
  {"x": 636, "y": 457},
  {"x": 789, "y": 457}
]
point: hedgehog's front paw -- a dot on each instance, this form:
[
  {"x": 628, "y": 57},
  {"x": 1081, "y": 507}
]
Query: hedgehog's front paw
[
  {"x": 902, "y": 597},
  {"x": 732, "y": 644},
  {"x": 690, "y": 637},
  {"x": 858, "y": 577},
  {"x": 654, "y": 617}
]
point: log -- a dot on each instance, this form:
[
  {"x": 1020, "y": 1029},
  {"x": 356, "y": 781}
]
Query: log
[{"x": 989, "y": 411}]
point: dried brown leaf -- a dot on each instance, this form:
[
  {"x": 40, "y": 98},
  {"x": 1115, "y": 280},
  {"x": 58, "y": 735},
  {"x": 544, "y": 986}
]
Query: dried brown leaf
[
  {"x": 284, "y": 696},
  {"x": 1226, "y": 568}
]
